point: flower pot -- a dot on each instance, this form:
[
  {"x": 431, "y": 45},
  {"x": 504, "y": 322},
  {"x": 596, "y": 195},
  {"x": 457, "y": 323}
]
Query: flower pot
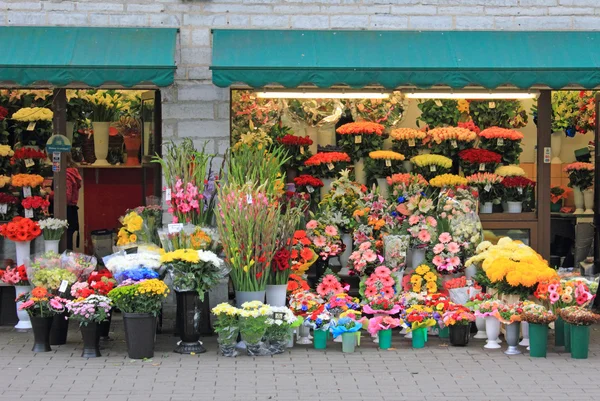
[
  {"x": 320, "y": 339},
  {"x": 290, "y": 343},
  {"x": 514, "y": 207},
  {"x": 41, "y": 333},
  {"x": 415, "y": 257},
  {"x": 486, "y": 208},
  {"x": 60, "y": 329},
  {"x": 188, "y": 314},
  {"x": 348, "y": 342},
  {"x": 459, "y": 334},
  {"x": 101, "y": 137},
  {"x": 345, "y": 256},
  {"x": 492, "y": 329},
  {"x": 241, "y": 297},
  {"x": 23, "y": 251},
  {"x": 91, "y": 340},
  {"x": 359, "y": 171},
  {"x": 567, "y": 336},
  {"x": 24, "y": 323},
  {"x": 525, "y": 329},
  {"x": 326, "y": 186},
  {"x": 105, "y": 327},
  {"x": 51, "y": 245},
  {"x": 555, "y": 207},
  {"x": 580, "y": 341},
  {"x": 312, "y": 133},
  {"x": 480, "y": 324},
  {"x": 513, "y": 331},
  {"x": 559, "y": 332},
  {"x": 588, "y": 200},
  {"x": 555, "y": 143},
  {"x": 304, "y": 335},
  {"x": 445, "y": 332},
  {"x": 578, "y": 198},
  {"x": 383, "y": 187},
  {"x": 408, "y": 166},
  {"x": 538, "y": 340},
  {"x": 385, "y": 338},
  {"x": 276, "y": 294},
  {"x": 140, "y": 332},
  {"x": 132, "y": 146},
  {"x": 418, "y": 338}
]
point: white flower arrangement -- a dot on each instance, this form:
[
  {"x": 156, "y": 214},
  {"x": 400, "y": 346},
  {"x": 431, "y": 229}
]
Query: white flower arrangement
[
  {"x": 209, "y": 256},
  {"x": 287, "y": 314},
  {"x": 119, "y": 263},
  {"x": 52, "y": 228}
]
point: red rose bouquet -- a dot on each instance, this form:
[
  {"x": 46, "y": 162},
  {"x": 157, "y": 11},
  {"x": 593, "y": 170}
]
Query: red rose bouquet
[
  {"x": 307, "y": 182},
  {"x": 327, "y": 164},
  {"x": 8, "y": 206},
  {"x": 515, "y": 188},
  {"x": 35, "y": 206},
  {"x": 473, "y": 161},
  {"x": 27, "y": 160},
  {"x": 20, "y": 229},
  {"x": 297, "y": 148}
]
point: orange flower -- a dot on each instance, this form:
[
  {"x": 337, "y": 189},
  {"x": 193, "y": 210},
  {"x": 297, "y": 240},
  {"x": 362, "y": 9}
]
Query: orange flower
[
  {"x": 39, "y": 292},
  {"x": 306, "y": 254},
  {"x": 27, "y": 180},
  {"x": 504, "y": 133},
  {"x": 361, "y": 128}
]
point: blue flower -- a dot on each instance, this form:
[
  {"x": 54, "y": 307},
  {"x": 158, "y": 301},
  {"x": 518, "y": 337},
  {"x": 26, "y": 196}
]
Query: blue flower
[
  {"x": 423, "y": 194},
  {"x": 394, "y": 213},
  {"x": 401, "y": 199}
]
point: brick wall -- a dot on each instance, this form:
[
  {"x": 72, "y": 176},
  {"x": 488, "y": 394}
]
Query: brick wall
[{"x": 193, "y": 107}]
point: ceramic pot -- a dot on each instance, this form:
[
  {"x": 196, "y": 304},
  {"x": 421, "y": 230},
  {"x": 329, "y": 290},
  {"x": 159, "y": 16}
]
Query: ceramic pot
[
  {"x": 101, "y": 130},
  {"x": 578, "y": 199},
  {"x": 555, "y": 143},
  {"x": 189, "y": 312},
  {"x": 276, "y": 295},
  {"x": 132, "y": 146},
  {"x": 242, "y": 297},
  {"x": 480, "y": 324},
  {"x": 492, "y": 329},
  {"x": 24, "y": 323},
  {"x": 51, "y": 245},
  {"x": 588, "y": 200},
  {"x": 512, "y": 338},
  {"x": 514, "y": 207},
  {"x": 383, "y": 187},
  {"x": 486, "y": 208}
]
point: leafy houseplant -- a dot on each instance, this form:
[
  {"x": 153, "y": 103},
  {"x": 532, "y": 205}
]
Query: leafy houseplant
[
  {"x": 498, "y": 113},
  {"x": 439, "y": 113}
]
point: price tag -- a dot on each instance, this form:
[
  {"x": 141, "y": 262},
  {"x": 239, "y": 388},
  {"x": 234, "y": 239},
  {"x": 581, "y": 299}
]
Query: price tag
[
  {"x": 469, "y": 283},
  {"x": 492, "y": 105},
  {"x": 168, "y": 194},
  {"x": 31, "y": 126},
  {"x": 432, "y": 168},
  {"x": 29, "y": 213},
  {"x": 358, "y": 139},
  {"x": 26, "y": 192},
  {"x": 411, "y": 142},
  {"x": 481, "y": 166},
  {"x": 330, "y": 166},
  {"x": 500, "y": 141},
  {"x": 520, "y": 190},
  {"x": 438, "y": 103},
  {"x": 29, "y": 163},
  {"x": 3, "y": 208},
  {"x": 249, "y": 199},
  {"x": 310, "y": 189},
  {"x": 63, "y": 286},
  {"x": 488, "y": 187},
  {"x": 301, "y": 150},
  {"x": 174, "y": 228},
  {"x": 388, "y": 163},
  {"x": 454, "y": 144}
]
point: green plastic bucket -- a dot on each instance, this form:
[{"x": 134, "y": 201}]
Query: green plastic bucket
[
  {"x": 580, "y": 341},
  {"x": 445, "y": 332},
  {"x": 425, "y": 331},
  {"x": 538, "y": 340},
  {"x": 348, "y": 342},
  {"x": 385, "y": 338},
  {"x": 567, "y": 336},
  {"x": 418, "y": 338},
  {"x": 559, "y": 332},
  {"x": 320, "y": 339}
]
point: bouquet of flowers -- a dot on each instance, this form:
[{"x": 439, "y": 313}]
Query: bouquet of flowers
[
  {"x": 53, "y": 229},
  {"x": 279, "y": 323},
  {"x": 327, "y": 164},
  {"x": 431, "y": 165},
  {"x": 488, "y": 307},
  {"x": 476, "y": 300},
  {"x": 447, "y": 181},
  {"x": 79, "y": 264},
  {"x": 297, "y": 148},
  {"x": 26, "y": 180},
  {"x": 249, "y": 112},
  {"x": 504, "y": 141},
  {"x": 488, "y": 186},
  {"x": 516, "y": 188},
  {"x": 329, "y": 285},
  {"x": 383, "y": 163},
  {"x": 388, "y": 112},
  {"x": 227, "y": 327},
  {"x": 307, "y": 182},
  {"x": 15, "y": 275},
  {"x": 359, "y": 138},
  {"x": 373, "y": 216},
  {"x": 134, "y": 266},
  {"x": 320, "y": 319},
  {"x": 380, "y": 284},
  {"x": 303, "y": 303},
  {"x": 93, "y": 309},
  {"x": 46, "y": 271},
  {"x": 580, "y": 174},
  {"x": 194, "y": 270},
  {"x": 27, "y": 160},
  {"x": 418, "y": 224},
  {"x": 558, "y": 193},
  {"x": 325, "y": 239},
  {"x": 560, "y": 294},
  {"x": 379, "y": 323},
  {"x": 253, "y": 325},
  {"x": 142, "y": 297},
  {"x": 408, "y": 141},
  {"x": 20, "y": 229},
  {"x": 419, "y": 316},
  {"x": 345, "y": 325},
  {"x": 579, "y": 316},
  {"x": 406, "y": 185},
  {"x": 35, "y": 207},
  {"x": 451, "y": 140},
  {"x": 338, "y": 206},
  {"x": 425, "y": 276},
  {"x": 364, "y": 260},
  {"x": 585, "y": 121},
  {"x": 508, "y": 314},
  {"x": 458, "y": 316},
  {"x": 537, "y": 314},
  {"x": 510, "y": 171},
  {"x": 445, "y": 254},
  {"x": 340, "y": 303},
  {"x": 380, "y": 305},
  {"x": 33, "y": 125},
  {"x": 152, "y": 220},
  {"x": 512, "y": 277},
  {"x": 409, "y": 299},
  {"x": 40, "y": 303},
  {"x": 475, "y": 161},
  {"x": 301, "y": 255}
]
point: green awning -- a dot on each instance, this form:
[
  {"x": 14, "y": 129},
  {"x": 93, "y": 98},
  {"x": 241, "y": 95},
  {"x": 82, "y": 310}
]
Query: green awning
[
  {"x": 60, "y": 56},
  {"x": 406, "y": 58}
]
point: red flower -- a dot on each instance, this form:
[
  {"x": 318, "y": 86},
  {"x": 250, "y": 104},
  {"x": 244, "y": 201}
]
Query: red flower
[
  {"x": 326, "y": 158},
  {"x": 8, "y": 199},
  {"x": 35, "y": 202},
  {"x": 470, "y": 125},
  {"x": 292, "y": 140},
  {"x": 3, "y": 113},
  {"x": 305, "y": 180},
  {"x": 281, "y": 260},
  {"x": 480, "y": 156},
  {"x": 516, "y": 182}
]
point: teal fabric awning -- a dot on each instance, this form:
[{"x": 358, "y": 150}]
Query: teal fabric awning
[
  {"x": 406, "y": 58},
  {"x": 60, "y": 56}
]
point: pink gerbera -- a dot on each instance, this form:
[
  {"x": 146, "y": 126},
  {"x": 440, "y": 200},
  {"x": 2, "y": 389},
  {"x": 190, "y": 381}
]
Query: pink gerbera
[
  {"x": 553, "y": 287},
  {"x": 414, "y": 219},
  {"x": 364, "y": 246},
  {"x": 320, "y": 242},
  {"x": 554, "y": 297},
  {"x": 388, "y": 292},
  {"x": 454, "y": 261},
  {"x": 431, "y": 221},
  {"x": 453, "y": 247},
  {"x": 445, "y": 238},
  {"x": 322, "y": 290},
  {"x": 438, "y": 248},
  {"x": 370, "y": 256},
  {"x": 438, "y": 260},
  {"x": 311, "y": 225},
  {"x": 329, "y": 280},
  {"x": 387, "y": 281},
  {"x": 370, "y": 292},
  {"x": 424, "y": 236},
  {"x": 382, "y": 271},
  {"x": 331, "y": 231}
]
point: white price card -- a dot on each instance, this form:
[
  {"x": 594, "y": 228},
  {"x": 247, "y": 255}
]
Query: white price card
[
  {"x": 249, "y": 199},
  {"x": 432, "y": 168},
  {"x": 174, "y": 228},
  {"x": 358, "y": 139},
  {"x": 330, "y": 166},
  {"x": 492, "y": 105},
  {"x": 310, "y": 189},
  {"x": 411, "y": 142},
  {"x": 29, "y": 213},
  {"x": 3, "y": 208},
  {"x": 29, "y": 163},
  {"x": 31, "y": 126},
  {"x": 26, "y": 192},
  {"x": 63, "y": 286},
  {"x": 481, "y": 166},
  {"x": 388, "y": 163},
  {"x": 168, "y": 194},
  {"x": 500, "y": 141},
  {"x": 454, "y": 144},
  {"x": 438, "y": 103},
  {"x": 488, "y": 187},
  {"x": 520, "y": 190}
]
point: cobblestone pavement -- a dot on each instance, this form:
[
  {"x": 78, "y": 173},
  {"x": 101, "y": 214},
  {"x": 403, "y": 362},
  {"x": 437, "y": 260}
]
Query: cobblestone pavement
[{"x": 437, "y": 372}]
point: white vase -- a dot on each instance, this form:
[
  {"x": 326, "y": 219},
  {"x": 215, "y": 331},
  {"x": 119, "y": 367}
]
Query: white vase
[
  {"x": 276, "y": 295},
  {"x": 555, "y": 142},
  {"x": 383, "y": 187},
  {"x": 51, "y": 245},
  {"x": 101, "y": 137},
  {"x": 24, "y": 321},
  {"x": 408, "y": 335},
  {"x": 70, "y": 129},
  {"x": 408, "y": 166},
  {"x": 326, "y": 186},
  {"x": 578, "y": 198},
  {"x": 486, "y": 208},
  {"x": 492, "y": 329},
  {"x": 359, "y": 171},
  {"x": 588, "y": 200},
  {"x": 525, "y": 330},
  {"x": 345, "y": 256},
  {"x": 313, "y": 134},
  {"x": 23, "y": 249},
  {"x": 514, "y": 207},
  {"x": 480, "y": 323},
  {"x": 416, "y": 257}
]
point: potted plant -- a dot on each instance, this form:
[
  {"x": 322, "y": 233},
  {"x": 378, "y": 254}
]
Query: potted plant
[
  {"x": 419, "y": 318},
  {"x": 194, "y": 272},
  {"x": 388, "y": 112},
  {"x": 382, "y": 327},
  {"x": 580, "y": 320},
  {"x": 489, "y": 188},
  {"x": 320, "y": 321},
  {"x": 41, "y": 307},
  {"x": 459, "y": 320},
  {"x": 487, "y": 310},
  {"x": 515, "y": 192},
  {"x": 130, "y": 129},
  {"x": 33, "y": 126},
  {"x": 473, "y": 305},
  {"x": 140, "y": 304},
  {"x": 538, "y": 319},
  {"x": 347, "y": 328},
  {"x": 316, "y": 113},
  {"x": 21, "y": 230},
  {"x": 90, "y": 312},
  {"x": 17, "y": 276},
  {"x": 439, "y": 113},
  {"x": 510, "y": 315},
  {"x": 253, "y": 325},
  {"x": 581, "y": 177},
  {"x": 281, "y": 319},
  {"x": 504, "y": 141},
  {"x": 358, "y": 139},
  {"x": 52, "y": 230},
  {"x": 227, "y": 327},
  {"x": 105, "y": 107},
  {"x": 557, "y": 196}
]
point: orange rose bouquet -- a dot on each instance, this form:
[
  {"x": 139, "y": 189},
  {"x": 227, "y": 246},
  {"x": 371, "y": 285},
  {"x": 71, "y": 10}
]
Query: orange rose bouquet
[
  {"x": 504, "y": 141},
  {"x": 451, "y": 140},
  {"x": 327, "y": 164},
  {"x": 20, "y": 229},
  {"x": 27, "y": 180},
  {"x": 360, "y": 138}
]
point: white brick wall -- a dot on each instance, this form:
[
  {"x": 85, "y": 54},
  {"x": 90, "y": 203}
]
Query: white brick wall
[{"x": 194, "y": 107}]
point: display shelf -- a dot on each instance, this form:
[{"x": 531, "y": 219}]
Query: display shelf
[{"x": 508, "y": 217}]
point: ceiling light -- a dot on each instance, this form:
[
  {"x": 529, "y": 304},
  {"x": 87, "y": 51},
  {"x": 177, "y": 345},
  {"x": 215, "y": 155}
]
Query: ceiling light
[
  {"x": 470, "y": 95},
  {"x": 321, "y": 95}
]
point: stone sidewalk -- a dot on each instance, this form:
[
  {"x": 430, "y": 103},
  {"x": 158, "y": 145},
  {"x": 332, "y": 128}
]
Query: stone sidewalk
[{"x": 437, "y": 372}]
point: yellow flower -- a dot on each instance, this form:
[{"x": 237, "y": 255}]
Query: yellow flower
[
  {"x": 133, "y": 238},
  {"x": 4, "y": 180},
  {"x": 447, "y": 180},
  {"x": 463, "y": 106},
  {"x": 6, "y": 150},
  {"x": 430, "y": 277},
  {"x": 432, "y": 287},
  {"x": 386, "y": 155},
  {"x": 29, "y": 114},
  {"x": 428, "y": 160},
  {"x": 510, "y": 171},
  {"x": 421, "y": 270},
  {"x": 184, "y": 255}
]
